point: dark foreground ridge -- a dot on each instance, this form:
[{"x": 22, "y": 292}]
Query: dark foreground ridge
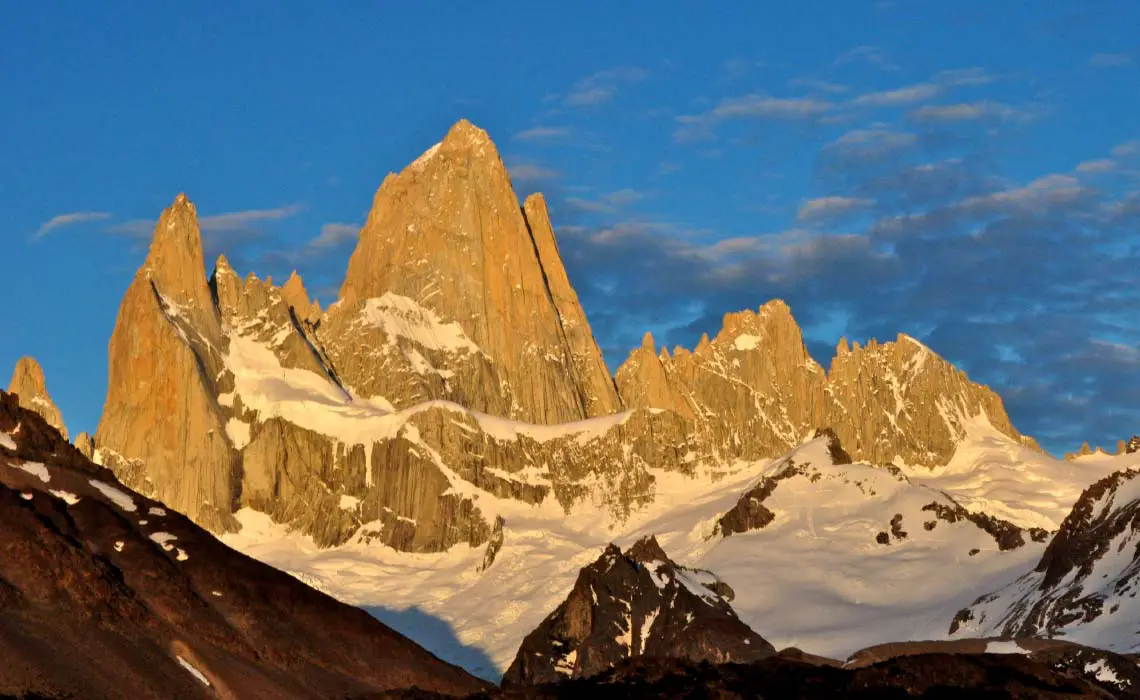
[{"x": 107, "y": 594}]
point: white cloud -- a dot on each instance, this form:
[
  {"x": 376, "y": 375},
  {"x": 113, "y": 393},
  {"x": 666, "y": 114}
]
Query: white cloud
[
  {"x": 542, "y": 133},
  {"x": 1109, "y": 60},
  {"x": 601, "y": 87},
  {"x": 963, "y": 111},
  {"x": 70, "y": 219},
  {"x": 871, "y": 55},
  {"x": 899, "y": 96},
  {"x": 1103, "y": 165},
  {"x": 822, "y": 208},
  {"x": 334, "y": 234},
  {"x": 242, "y": 220},
  {"x": 756, "y": 105},
  {"x": 525, "y": 172}
]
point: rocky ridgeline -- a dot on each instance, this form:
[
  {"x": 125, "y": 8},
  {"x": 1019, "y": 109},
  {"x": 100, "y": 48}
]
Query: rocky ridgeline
[{"x": 458, "y": 362}]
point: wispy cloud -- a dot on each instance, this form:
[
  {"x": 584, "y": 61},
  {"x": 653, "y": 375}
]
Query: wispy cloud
[
  {"x": 964, "y": 111},
  {"x": 528, "y": 172},
  {"x": 899, "y": 96},
  {"x": 1101, "y": 165},
  {"x": 831, "y": 208},
  {"x": 607, "y": 203},
  {"x": 601, "y": 87},
  {"x": 334, "y": 234},
  {"x": 1110, "y": 60},
  {"x": 871, "y": 55},
  {"x": 542, "y": 133},
  {"x": 761, "y": 106},
  {"x": 811, "y": 83},
  {"x": 242, "y": 220},
  {"x": 963, "y": 77},
  {"x": 1127, "y": 149},
  {"x": 71, "y": 219}
]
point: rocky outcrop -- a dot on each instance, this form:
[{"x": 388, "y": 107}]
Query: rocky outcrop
[
  {"x": 635, "y": 604},
  {"x": 29, "y": 385},
  {"x": 754, "y": 392},
  {"x": 447, "y": 235},
  {"x": 162, "y": 426},
  {"x": 106, "y": 593},
  {"x": 1085, "y": 586}
]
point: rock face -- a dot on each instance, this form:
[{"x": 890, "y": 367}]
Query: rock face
[
  {"x": 754, "y": 391},
  {"x": 105, "y": 593},
  {"x": 635, "y": 604},
  {"x": 1085, "y": 586},
  {"x": 447, "y": 241},
  {"x": 162, "y": 428},
  {"x": 29, "y": 385},
  {"x": 458, "y": 363}
]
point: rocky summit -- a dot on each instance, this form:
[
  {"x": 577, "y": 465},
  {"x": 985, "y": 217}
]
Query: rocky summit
[
  {"x": 637, "y": 603},
  {"x": 30, "y": 388},
  {"x": 457, "y": 369}
]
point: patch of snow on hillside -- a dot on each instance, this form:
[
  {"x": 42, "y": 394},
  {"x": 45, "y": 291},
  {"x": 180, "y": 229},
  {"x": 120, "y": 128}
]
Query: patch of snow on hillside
[
  {"x": 118, "y": 497},
  {"x": 990, "y": 473},
  {"x": 401, "y": 317},
  {"x": 193, "y": 671},
  {"x": 349, "y": 502},
  {"x": 36, "y": 469},
  {"x": 1005, "y": 647},
  {"x": 746, "y": 342},
  {"x": 7, "y": 441},
  {"x": 65, "y": 496},
  {"x": 238, "y": 433}
]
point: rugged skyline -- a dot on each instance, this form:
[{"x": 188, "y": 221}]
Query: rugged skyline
[{"x": 910, "y": 174}]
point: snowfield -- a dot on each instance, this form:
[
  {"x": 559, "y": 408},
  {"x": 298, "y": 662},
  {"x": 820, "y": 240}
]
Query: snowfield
[{"x": 814, "y": 578}]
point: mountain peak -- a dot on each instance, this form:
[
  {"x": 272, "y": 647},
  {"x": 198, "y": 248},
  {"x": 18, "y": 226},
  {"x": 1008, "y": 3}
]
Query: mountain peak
[
  {"x": 448, "y": 234},
  {"x": 29, "y": 385},
  {"x": 464, "y": 132}
]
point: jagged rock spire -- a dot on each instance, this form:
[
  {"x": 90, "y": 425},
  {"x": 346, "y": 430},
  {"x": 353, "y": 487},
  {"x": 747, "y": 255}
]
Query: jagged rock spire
[
  {"x": 448, "y": 233},
  {"x": 29, "y": 385},
  {"x": 162, "y": 429}
]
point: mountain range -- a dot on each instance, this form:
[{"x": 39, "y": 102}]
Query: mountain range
[{"x": 445, "y": 441}]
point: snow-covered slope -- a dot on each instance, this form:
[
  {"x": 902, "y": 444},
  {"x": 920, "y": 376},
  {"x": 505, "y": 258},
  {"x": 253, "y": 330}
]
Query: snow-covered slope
[
  {"x": 1084, "y": 588},
  {"x": 816, "y": 577}
]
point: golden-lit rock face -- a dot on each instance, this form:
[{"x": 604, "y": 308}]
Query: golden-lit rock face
[
  {"x": 449, "y": 234},
  {"x": 459, "y": 340},
  {"x": 30, "y": 387}
]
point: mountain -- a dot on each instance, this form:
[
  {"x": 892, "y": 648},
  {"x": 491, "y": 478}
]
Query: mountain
[
  {"x": 754, "y": 391},
  {"x": 106, "y": 593},
  {"x": 30, "y": 388},
  {"x": 447, "y": 237},
  {"x": 632, "y": 604},
  {"x": 1084, "y": 586},
  {"x": 457, "y": 369},
  {"x": 445, "y": 434}
]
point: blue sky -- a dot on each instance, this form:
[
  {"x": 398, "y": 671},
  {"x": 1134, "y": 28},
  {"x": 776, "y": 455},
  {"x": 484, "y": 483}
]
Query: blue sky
[{"x": 968, "y": 173}]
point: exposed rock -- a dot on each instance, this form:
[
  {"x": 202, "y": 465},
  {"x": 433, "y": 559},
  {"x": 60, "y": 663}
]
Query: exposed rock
[
  {"x": 1133, "y": 445},
  {"x": 448, "y": 235},
  {"x": 162, "y": 426},
  {"x": 633, "y": 604},
  {"x": 754, "y": 392},
  {"x": 86, "y": 445},
  {"x": 493, "y": 545},
  {"x": 29, "y": 385},
  {"x": 106, "y": 593},
  {"x": 1089, "y": 570}
]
